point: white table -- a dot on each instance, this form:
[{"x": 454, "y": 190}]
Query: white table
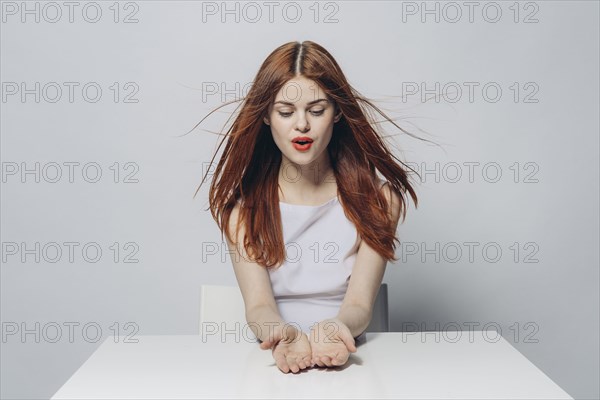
[{"x": 387, "y": 365}]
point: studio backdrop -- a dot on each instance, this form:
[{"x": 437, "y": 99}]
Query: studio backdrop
[{"x": 103, "y": 238}]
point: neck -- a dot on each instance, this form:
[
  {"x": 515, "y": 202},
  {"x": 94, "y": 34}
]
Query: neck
[{"x": 306, "y": 178}]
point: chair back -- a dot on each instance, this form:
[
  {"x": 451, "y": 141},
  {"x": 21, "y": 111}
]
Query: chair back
[
  {"x": 221, "y": 307},
  {"x": 380, "y": 320}
]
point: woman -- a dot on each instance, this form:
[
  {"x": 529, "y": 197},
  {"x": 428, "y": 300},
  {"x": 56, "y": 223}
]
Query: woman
[{"x": 297, "y": 195}]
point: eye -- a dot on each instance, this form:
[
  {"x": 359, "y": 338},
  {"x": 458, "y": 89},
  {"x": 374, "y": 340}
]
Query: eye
[{"x": 288, "y": 114}]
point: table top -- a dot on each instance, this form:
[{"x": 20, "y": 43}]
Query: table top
[{"x": 399, "y": 365}]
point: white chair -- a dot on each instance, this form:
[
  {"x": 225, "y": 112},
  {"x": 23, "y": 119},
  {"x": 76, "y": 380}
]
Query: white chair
[
  {"x": 221, "y": 308},
  {"x": 224, "y": 306}
]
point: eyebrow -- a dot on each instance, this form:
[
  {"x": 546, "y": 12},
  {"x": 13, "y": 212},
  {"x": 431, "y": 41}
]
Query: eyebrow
[{"x": 309, "y": 103}]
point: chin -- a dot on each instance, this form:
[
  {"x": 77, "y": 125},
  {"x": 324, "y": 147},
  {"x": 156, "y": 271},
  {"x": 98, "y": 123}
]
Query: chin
[
  {"x": 300, "y": 162},
  {"x": 299, "y": 159}
]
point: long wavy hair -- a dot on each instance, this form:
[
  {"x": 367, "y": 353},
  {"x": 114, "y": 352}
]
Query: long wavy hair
[{"x": 248, "y": 168}]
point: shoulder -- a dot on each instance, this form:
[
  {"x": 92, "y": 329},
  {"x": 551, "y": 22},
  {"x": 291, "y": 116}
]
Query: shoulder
[{"x": 393, "y": 199}]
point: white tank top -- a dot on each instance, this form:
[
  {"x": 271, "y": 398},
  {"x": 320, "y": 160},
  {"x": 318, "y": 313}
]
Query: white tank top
[{"x": 321, "y": 245}]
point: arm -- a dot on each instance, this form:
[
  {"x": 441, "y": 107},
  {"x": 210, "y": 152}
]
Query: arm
[
  {"x": 253, "y": 279},
  {"x": 270, "y": 322},
  {"x": 367, "y": 275},
  {"x": 290, "y": 347}
]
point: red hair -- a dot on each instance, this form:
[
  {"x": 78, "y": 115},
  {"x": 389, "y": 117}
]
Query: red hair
[{"x": 249, "y": 166}]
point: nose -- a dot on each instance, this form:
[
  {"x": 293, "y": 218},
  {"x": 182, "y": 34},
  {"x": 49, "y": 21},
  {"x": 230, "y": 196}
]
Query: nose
[{"x": 302, "y": 124}]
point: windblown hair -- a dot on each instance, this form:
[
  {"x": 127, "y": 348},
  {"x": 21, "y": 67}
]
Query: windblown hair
[{"x": 249, "y": 166}]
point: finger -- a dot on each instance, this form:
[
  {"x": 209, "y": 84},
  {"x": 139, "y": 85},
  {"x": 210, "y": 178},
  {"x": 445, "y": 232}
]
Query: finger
[
  {"x": 348, "y": 341},
  {"x": 301, "y": 363},
  {"x": 334, "y": 359},
  {"x": 266, "y": 345},
  {"x": 307, "y": 361},
  {"x": 281, "y": 363},
  {"x": 269, "y": 343},
  {"x": 283, "y": 367},
  {"x": 272, "y": 340},
  {"x": 293, "y": 364},
  {"x": 326, "y": 360},
  {"x": 344, "y": 358},
  {"x": 317, "y": 361},
  {"x": 340, "y": 359}
]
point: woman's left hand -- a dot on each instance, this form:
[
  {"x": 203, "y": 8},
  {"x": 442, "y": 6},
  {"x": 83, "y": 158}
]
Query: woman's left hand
[{"x": 331, "y": 342}]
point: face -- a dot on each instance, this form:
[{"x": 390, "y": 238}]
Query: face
[{"x": 302, "y": 109}]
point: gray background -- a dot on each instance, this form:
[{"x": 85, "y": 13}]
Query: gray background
[{"x": 547, "y": 309}]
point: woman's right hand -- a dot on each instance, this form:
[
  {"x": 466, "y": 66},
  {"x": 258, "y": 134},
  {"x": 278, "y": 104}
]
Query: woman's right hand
[{"x": 291, "y": 352}]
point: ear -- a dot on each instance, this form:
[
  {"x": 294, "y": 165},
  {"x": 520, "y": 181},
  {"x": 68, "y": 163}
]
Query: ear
[
  {"x": 337, "y": 117},
  {"x": 266, "y": 120}
]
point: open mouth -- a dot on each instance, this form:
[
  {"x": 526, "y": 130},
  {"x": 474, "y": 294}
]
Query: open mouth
[
  {"x": 302, "y": 140},
  {"x": 302, "y": 143}
]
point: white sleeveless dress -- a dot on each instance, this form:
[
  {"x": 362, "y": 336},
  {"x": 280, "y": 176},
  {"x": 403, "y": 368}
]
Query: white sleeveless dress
[{"x": 321, "y": 245}]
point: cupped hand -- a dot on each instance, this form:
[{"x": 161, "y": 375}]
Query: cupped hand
[
  {"x": 331, "y": 343},
  {"x": 291, "y": 351}
]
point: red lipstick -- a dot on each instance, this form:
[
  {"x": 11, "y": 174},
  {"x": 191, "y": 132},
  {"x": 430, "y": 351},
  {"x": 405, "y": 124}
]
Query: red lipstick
[{"x": 302, "y": 143}]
